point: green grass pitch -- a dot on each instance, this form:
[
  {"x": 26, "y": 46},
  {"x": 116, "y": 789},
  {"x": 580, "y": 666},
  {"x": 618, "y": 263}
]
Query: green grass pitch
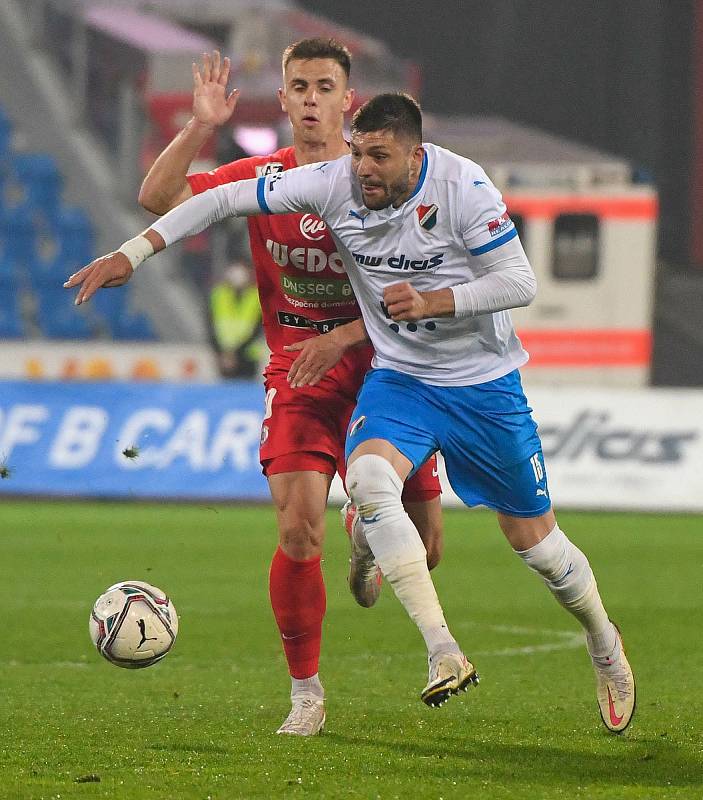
[{"x": 201, "y": 723}]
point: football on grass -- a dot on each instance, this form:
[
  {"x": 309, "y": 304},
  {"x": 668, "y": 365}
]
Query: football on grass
[{"x": 133, "y": 624}]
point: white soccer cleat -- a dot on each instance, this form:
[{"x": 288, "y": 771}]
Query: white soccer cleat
[
  {"x": 364, "y": 576},
  {"x": 615, "y": 689},
  {"x": 450, "y": 673},
  {"x": 306, "y": 718}
]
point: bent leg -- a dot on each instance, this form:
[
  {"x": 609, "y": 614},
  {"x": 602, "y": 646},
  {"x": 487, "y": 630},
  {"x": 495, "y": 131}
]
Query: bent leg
[
  {"x": 375, "y": 476},
  {"x": 546, "y": 550},
  {"x": 568, "y": 575}
]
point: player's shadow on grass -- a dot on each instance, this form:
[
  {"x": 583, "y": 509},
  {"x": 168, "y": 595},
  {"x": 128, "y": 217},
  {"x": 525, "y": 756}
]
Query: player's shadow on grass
[{"x": 636, "y": 763}]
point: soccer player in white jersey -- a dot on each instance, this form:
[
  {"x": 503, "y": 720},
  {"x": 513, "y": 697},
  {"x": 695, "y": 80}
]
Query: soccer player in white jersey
[{"x": 435, "y": 263}]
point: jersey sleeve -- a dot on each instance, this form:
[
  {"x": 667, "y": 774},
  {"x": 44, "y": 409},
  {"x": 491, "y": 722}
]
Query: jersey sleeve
[
  {"x": 302, "y": 189},
  {"x": 485, "y": 223},
  {"x": 234, "y": 171},
  {"x": 233, "y": 199}
]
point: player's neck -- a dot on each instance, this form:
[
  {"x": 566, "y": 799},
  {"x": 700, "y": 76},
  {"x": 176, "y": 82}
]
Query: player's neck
[{"x": 312, "y": 152}]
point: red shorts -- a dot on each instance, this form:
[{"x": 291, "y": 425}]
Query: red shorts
[{"x": 305, "y": 429}]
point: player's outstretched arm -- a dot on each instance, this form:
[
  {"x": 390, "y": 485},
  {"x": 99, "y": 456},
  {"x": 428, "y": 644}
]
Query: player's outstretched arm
[
  {"x": 165, "y": 185},
  {"x": 236, "y": 199},
  {"x": 319, "y": 354},
  {"x": 187, "y": 219},
  {"x": 114, "y": 269}
]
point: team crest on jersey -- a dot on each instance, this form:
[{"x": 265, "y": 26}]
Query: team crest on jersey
[
  {"x": 272, "y": 168},
  {"x": 427, "y": 215}
]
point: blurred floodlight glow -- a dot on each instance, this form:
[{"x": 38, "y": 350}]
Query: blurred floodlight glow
[{"x": 257, "y": 141}]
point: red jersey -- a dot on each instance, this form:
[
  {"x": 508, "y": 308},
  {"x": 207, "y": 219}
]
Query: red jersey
[{"x": 303, "y": 286}]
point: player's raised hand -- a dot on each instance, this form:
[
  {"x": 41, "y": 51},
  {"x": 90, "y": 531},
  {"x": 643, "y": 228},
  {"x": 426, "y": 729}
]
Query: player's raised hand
[
  {"x": 317, "y": 357},
  {"x": 404, "y": 303},
  {"x": 114, "y": 269},
  {"x": 212, "y": 105}
]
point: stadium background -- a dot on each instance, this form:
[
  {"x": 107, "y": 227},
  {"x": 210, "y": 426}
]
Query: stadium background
[{"x": 589, "y": 118}]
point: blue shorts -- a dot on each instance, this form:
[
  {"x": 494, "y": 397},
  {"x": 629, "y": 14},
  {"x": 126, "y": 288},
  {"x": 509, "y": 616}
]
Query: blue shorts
[{"x": 485, "y": 432}]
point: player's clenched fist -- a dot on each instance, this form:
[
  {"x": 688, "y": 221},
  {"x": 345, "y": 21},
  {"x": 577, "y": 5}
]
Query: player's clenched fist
[{"x": 404, "y": 302}]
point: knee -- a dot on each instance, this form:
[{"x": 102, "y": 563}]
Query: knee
[
  {"x": 299, "y": 536},
  {"x": 372, "y": 481}
]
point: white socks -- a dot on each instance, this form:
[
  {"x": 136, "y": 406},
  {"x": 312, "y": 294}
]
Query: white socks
[
  {"x": 567, "y": 573},
  {"x": 311, "y": 686},
  {"x": 375, "y": 489}
]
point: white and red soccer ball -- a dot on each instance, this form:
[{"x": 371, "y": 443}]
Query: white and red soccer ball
[{"x": 133, "y": 624}]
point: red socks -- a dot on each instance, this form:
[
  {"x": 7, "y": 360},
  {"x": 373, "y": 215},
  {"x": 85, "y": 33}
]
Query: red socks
[{"x": 298, "y": 599}]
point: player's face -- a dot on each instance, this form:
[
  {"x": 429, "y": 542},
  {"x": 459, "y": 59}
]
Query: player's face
[
  {"x": 315, "y": 97},
  {"x": 387, "y": 167}
]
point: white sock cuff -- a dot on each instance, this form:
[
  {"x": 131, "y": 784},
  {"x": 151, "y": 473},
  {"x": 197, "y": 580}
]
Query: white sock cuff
[
  {"x": 568, "y": 575},
  {"x": 557, "y": 558},
  {"x": 548, "y": 545},
  {"x": 310, "y": 686}
]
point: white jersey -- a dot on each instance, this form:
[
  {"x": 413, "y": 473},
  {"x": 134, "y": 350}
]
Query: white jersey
[{"x": 437, "y": 239}]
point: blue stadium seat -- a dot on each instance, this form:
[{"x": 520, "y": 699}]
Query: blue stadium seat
[
  {"x": 17, "y": 236},
  {"x": 41, "y": 243},
  {"x": 45, "y": 273},
  {"x": 110, "y": 305},
  {"x": 58, "y": 317},
  {"x": 60, "y": 247},
  {"x": 40, "y": 176},
  {"x": 74, "y": 232},
  {"x": 10, "y": 273},
  {"x": 11, "y": 322},
  {"x": 123, "y": 324},
  {"x": 134, "y": 327}
]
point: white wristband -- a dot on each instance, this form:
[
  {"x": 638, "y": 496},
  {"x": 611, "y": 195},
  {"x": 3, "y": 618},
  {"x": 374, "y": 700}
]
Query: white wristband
[{"x": 137, "y": 250}]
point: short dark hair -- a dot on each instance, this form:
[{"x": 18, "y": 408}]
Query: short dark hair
[
  {"x": 318, "y": 47},
  {"x": 396, "y": 111}
]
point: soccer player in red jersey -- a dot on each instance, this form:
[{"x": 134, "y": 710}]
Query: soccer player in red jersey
[{"x": 303, "y": 288}]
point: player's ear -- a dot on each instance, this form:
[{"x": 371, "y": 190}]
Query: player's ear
[
  {"x": 348, "y": 99},
  {"x": 282, "y": 100},
  {"x": 418, "y": 155}
]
